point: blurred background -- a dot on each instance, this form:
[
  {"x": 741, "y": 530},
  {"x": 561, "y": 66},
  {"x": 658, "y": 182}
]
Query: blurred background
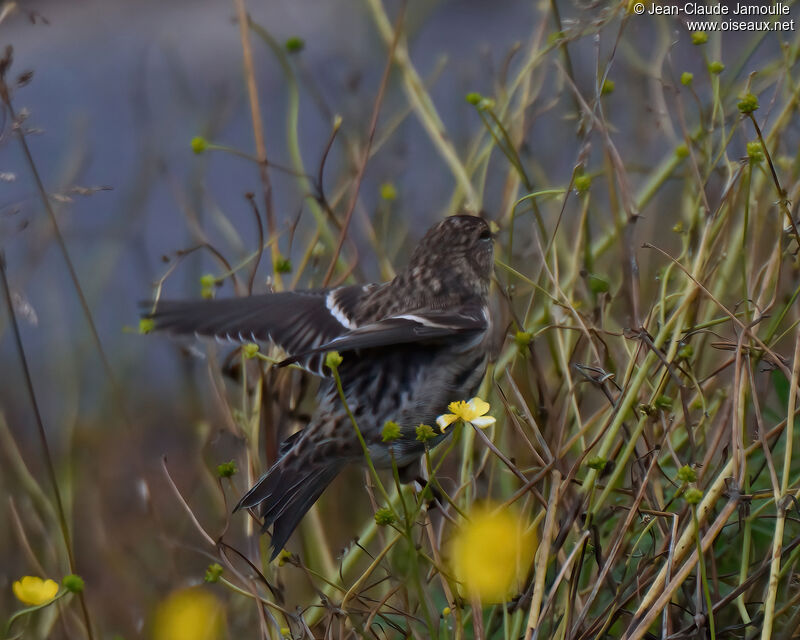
[{"x": 119, "y": 92}]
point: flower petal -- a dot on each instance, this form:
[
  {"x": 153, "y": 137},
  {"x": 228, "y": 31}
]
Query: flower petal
[
  {"x": 457, "y": 407},
  {"x": 32, "y": 590},
  {"x": 483, "y": 421},
  {"x": 479, "y": 406},
  {"x": 445, "y": 420}
]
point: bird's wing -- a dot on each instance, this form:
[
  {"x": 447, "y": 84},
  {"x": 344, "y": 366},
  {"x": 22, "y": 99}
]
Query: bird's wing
[
  {"x": 417, "y": 326},
  {"x": 297, "y": 321}
]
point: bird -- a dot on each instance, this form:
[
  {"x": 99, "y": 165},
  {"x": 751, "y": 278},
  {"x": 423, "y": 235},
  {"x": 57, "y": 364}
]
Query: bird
[{"x": 409, "y": 347}]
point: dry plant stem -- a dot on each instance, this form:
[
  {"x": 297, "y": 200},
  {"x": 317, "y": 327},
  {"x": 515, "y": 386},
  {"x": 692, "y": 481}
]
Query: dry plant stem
[
  {"x": 185, "y": 505},
  {"x": 565, "y": 567},
  {"x": 376, "y": 109},
  {"x": 28, "y": 553},
  {"x": 48, "y": 458},
  {"x": 258, "y": 126},
  {"x": 369, "y": 571},
  {"x": 448, "y": 584},
  {"x": 673, "y": 536},
  {"x": 57, "y": 233},
  {"x": 655, "y": 593},
  {"x": 424, "y": 107},
  {"x": 780, "y": 500},
  {"x": 213, "y": 543},
  {"x": 781, "y": 191},
  {"x": 600, "y": 580},
  {"x": 119, "y": 397},
  {"x": 776, "y": 360},
  {"x": 543, "y": 555},
  {"x": 304, "y": 181},
  {"x": 659, "y": 594},
  {"x": 16, "y": 462},
  {"x": 350, "y": 559}
]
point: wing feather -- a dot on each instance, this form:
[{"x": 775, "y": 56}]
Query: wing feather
[
  {"x": 297, "y": 321},
  {"x": 420, "y": 326}
]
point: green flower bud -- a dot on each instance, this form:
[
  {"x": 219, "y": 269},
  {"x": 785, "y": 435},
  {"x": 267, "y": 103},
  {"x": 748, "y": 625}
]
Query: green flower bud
[
  {"x": 213, "y": 573},
  {"x": 686, "y": 474},
  {"x": 384, "y": 517},
  {"x": 682, "y": 151},
  {"x": 207, "y": 284},
  {"x": 333, "y": 359},
  {"x": 226, "y": 469},
  {"x": 755, "y": 152},
  {"x": 73, "y": 583},
  {"x": 716, "y": 67},
  {"x": 693, "y": 496},
  {"x": 748, "y": 103},
  {"x": 249, "y": 350},
  {"x": 391, "y": 431},
  {"x": 283, "y": 265},
  {"x": 146, "y": 325},
  {"x": 608, "y": 87},
  {"x": 474, "y": 98},
  {"x": 699, "y": 37},
  {"x": 597, "y": 462},
  {"x": 686, "y": 78},
  {"x": 523, "y": 339},
  {"x": 199, "y": 144},
  {"x": 686, "y": 352},
  {"x": 425, "y": 432},
  {"x": 388, "y": 191},
  {"x": 207, "y": 280},
  {"x": 295, "y": 44},
  {"x": 583, "y": 182}
]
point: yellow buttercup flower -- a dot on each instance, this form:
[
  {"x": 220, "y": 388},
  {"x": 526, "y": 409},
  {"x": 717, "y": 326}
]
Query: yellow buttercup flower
[
  {"x": 491, "y": 554},
  {"x": 473, "y": 412},
  {"x": 34, "y": 591},
  {"x": 189, "y": 614}
]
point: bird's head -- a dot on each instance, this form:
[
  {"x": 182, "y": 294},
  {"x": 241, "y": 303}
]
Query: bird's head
[{"x": 456, "y": 253}]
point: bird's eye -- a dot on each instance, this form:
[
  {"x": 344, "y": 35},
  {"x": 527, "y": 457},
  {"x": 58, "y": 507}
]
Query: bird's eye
[{"x": 486, "y": 234}]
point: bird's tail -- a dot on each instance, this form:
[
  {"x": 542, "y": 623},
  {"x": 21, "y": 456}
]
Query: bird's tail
[{"x": 286, "y": 492}]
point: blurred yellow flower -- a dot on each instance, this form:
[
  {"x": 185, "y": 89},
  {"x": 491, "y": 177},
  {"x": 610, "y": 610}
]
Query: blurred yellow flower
[
  {"x": 473, "y": 411},
  {"x": 491, "y": 554},
  {"x": 189, "y": 614},
  {"x": 34, "y": 591}
]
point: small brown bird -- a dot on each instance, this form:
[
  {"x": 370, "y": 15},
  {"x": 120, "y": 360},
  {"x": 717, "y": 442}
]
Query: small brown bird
[{"x": 410, "y": 346}]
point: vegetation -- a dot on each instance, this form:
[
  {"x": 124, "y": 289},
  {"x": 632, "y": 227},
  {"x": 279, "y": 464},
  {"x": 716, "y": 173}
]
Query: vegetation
[{"x": 639, "y": 479}]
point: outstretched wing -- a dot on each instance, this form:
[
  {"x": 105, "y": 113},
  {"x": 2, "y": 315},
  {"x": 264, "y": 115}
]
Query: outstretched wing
[
  {"x": 469, "y": 323},
  {"x": 297, "y": 321}
]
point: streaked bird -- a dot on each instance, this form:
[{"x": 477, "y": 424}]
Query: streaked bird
[{"x": 409, "y": 346}]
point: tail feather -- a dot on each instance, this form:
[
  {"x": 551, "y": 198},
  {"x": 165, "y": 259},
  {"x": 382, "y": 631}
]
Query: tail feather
[
  {"x": 301, "y": 502},
  {"x": 285, "y": 494}
]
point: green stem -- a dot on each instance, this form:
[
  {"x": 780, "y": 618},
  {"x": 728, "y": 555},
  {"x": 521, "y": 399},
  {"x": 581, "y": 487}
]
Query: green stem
[
  {"x": 364, "y": 447},
  {"x": 702, "y": 564}
]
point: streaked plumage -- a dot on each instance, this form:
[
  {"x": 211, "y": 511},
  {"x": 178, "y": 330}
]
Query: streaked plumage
[{"x": 410, "y": 346}]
